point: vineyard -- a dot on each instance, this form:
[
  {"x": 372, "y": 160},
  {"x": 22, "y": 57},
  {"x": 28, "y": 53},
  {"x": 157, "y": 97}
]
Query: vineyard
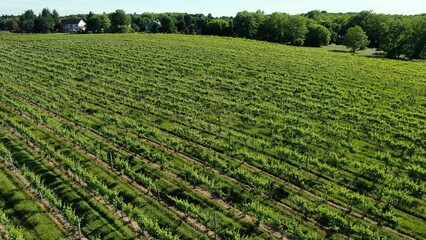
[{"x": 196, "y": 137}]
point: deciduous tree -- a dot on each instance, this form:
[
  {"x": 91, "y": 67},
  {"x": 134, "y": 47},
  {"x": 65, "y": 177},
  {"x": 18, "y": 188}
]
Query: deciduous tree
[
  {"x": 120, "y": 21},
  {"x": 356, "y": 39},
  {"x": 168, "y": 24},
  {"x": 27, "y": 21},
  {"x": 219, "y": 27},
  {"x": 317, "y": 36},
  {"x": 418, "y": 40},
  {"x": 40, "y": 25},
  {"x": 396, "y": 37},
  {"x": 247, "y": 23}
]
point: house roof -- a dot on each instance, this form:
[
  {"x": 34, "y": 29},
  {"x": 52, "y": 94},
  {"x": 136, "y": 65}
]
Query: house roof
[{"x": 71, "y": 21}]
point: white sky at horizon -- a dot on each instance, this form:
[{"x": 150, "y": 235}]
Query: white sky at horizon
[{"x": 217, "y": 8}]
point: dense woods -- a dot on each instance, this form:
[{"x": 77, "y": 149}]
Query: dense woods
[{"x": 396, "y": 35}]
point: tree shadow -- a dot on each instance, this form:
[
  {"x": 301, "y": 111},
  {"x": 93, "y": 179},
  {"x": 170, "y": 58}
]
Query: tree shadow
[
  {"x": 384, "y": 56},
  {"x": 340, "y": 51}
]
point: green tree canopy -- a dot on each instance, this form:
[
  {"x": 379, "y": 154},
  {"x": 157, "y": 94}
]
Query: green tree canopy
[
  {"x": 168, "y": 24},
  {"x": 372, "y": 26},
  {"x": 120, "y": 21},
  {"x": 98, "y": 23},
  {"x": 55, "y": 15},
  {"x": 189, "y": 20},
  {"x": 27, "y": 21},
  {"x": 317, "y": 36},
  {"x": 273, "y": 28},
  {"x": 356, "y": 39},
  {"x": 396, "y": 37},
  {"x": 247, "y": 23},
  {"x": 418, "y": 39},
  {"x": 296, "y": 30},
  {"x": 48, "y": 18},
  {"x": 105, "y": 23},
  {"x": 40, "y": 25},
  {"x": 219, "y": 27},
  {"x": 92, "y": 22},
  {"x": 283, "y": 28}
]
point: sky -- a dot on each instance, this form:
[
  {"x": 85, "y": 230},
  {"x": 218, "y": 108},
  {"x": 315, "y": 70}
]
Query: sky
[{"x": 217, "y": 7}]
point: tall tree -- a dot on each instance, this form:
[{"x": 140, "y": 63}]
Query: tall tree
[
  {"x": 27, "y": 21},
  {"x": 396, "y": 37},
  {"x": 418, "y": 40},
  {"x": 168, "y": 24},
  {"x": 371, "y": 23},
  {"x": 139, "y": 21},
  {"x": 246, "y": 24},
  {"x": 296, "y": 30},
  {"x": 219, "y": 27},
  {"x": 356, "y": 39},
  {"x": 40, "y": 25},
  {"x": 283, "y": 28},
  {"x": 104, "y": 24},
  {"x": 189, "y": 22},
  {"x": 372, "y": 26},
  {"x": 120, "y": 21},
  {"x": 272, "y": 28},
  {"x": 48, "y": 18},
  {"x": 98, "y": 23},
  {"x": 317, "y": 36},
  {"x": 358, "y": 19},
  {"x": 3, "y": 24},
  {"x": 55, "y": 15},
  {"x": 93, "y": 23}
]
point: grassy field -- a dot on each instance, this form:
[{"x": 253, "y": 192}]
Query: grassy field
[{"x": 197, "y": 137}]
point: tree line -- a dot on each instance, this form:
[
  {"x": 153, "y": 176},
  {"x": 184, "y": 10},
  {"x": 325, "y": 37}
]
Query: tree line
[{"x": 397, "y": 35}]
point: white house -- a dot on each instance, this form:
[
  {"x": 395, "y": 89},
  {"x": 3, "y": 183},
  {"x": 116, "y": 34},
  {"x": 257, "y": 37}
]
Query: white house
[{"x": 74, "y": 25}]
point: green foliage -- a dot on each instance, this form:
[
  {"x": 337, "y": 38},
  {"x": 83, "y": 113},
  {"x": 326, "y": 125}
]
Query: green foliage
[
  {"x": 373, "y": 26},
  {"x": 296, "y": 30},
  {"x": 120, "y": 22},
  {"x": 27, "y": 21},
  {"x": 93, "y": 23},
  {"x": 317, "y": 36},
  {"x": 418, "y": 39},
  {"x": 13, "y": 232},
  {"x": 168, "y": 24},
  {"x": 41, "y": 25},
  {"x": 283, "y": 28},
  {"x": 219, "y": 27},
  {"x": 356, "y": 39},
  {"x": 273, "y": 27},
  {"x": 247, "y": 24},
  {"x": 49, "y": 18},
  {"x": 140, "y": 21},
  {"x": 396, "y": 37}
]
